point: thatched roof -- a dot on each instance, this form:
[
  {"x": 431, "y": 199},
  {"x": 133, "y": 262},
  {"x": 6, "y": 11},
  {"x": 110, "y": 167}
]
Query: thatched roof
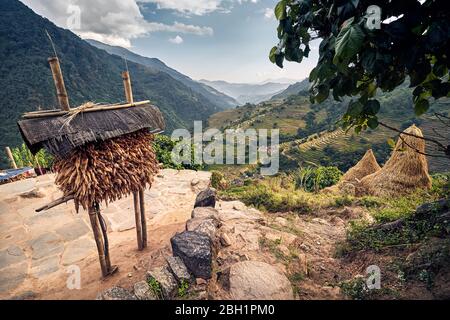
[
  {"x": 60, "y": 137},
  {"x": 405, "y": 171},
  {"x": 367, "y": 165}
]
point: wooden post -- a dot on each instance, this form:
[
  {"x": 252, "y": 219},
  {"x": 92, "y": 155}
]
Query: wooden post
[
  {"x": 98, "y": 240},
  {"x": 10, "y": 157},
  {"x": 127, "y": 86},
  {"x": 137, "y": 215},
  {"x": 143, "y": 219},
  {"x": 63, "y": 99}
]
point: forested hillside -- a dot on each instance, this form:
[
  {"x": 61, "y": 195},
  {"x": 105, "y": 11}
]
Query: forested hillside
[
  {"x": 90, "y": 74},
  {"x": 310, "y": 132}
]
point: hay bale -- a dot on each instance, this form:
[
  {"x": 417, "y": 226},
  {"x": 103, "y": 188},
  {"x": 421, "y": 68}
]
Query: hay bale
[
  {"x": 405, "y": 171},
  {"x": 107, "y": 170}
]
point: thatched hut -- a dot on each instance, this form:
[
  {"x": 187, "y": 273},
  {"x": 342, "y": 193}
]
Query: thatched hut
[
  {"x": 102, "y": 152},
  {"x": 405, "y": 171}
]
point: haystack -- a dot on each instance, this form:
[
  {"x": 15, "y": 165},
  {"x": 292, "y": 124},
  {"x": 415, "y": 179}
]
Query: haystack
[
  {"x": 405, "y": 171},
  {"x": 367, "y": 165},
  {"x": 351, "y": 179}
]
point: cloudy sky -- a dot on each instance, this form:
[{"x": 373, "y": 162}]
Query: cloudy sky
[{"x": 204, "y": 39}]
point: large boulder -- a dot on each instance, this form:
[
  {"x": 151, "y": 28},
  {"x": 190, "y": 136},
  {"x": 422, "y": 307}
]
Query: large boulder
[
  {"x": 195, "y": 249},
  {"x": 206, "y": 198},
  {"x": 115, "y": 293},
  {"x": 254, "y": 280},
  {"x": 205, "y": 213}
]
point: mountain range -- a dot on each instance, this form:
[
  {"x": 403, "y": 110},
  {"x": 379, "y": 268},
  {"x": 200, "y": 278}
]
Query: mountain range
[
  {"x": 90, "y": 74},
  {"x": 247, "y": 92}
]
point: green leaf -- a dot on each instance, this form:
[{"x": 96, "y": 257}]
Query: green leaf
[
  {"x": 372, "y": 123},
  {"x": 279, "y": 58},
  {"x": 354, "y": 109},
  {"x": 391, "y": 143},
  {"x": 272, "y": 54},
  {"x": 421, "y": 106},
  {"x": 372, "y": 107},
  {"x": 280, "y": 10},
  {"x": 321, "y": 93},
  {"x": 348, "y": 42}
]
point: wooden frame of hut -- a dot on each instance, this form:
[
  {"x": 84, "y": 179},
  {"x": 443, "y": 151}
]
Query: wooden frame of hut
[{"x": 65, "y": 132}]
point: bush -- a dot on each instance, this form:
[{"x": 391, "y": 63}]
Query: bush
[
  {"x": 315, "y": 179},
  {"x": 163, "y": 146},
  {"x": 218, "y": 180},
  {"x": 23, "y": 157}
]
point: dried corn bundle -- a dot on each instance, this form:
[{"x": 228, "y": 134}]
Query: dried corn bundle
[{"x": 107, "y": 170}]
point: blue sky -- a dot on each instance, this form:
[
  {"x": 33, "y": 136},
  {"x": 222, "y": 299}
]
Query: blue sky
[{"x": 211, "y": 39}]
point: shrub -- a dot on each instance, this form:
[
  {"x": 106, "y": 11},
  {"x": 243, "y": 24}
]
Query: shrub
[
  {"x": 163, "y": 146},
  {"x": 218, "y": 180},
  {"x": 23, "y": 157},
  {"x": 315, "y": 179}
]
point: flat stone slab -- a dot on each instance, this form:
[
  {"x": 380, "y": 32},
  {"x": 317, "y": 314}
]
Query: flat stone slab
[
  {"x": 12, "y": 255},
  {"x": 179, "y": 269},
  {"x": 254, "y": 280},
  {"x": 78, "y": 250},
  {"x": 12, "y": 277},
  {"x": 116, "y": 293},
  {"x": 45, "y": 245},
  {"x": 43, "y": 267},
  {"x": 73, "y": 230}
]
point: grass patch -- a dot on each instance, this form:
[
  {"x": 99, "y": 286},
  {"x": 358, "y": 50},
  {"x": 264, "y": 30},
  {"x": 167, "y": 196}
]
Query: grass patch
[
  {"x": 183, "y": 288},
  {"x": 155, "y": 286}
]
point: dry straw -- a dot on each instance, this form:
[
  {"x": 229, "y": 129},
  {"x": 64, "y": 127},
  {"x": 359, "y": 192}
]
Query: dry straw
[{"x": 405, "y": 171}]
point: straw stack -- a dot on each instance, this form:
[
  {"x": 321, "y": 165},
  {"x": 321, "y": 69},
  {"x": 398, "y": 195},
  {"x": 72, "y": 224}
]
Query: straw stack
[{"x": 405, "y": 171}]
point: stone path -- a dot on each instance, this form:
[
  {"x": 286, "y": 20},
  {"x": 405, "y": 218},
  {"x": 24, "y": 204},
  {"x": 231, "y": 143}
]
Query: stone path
[{"x": 38, "y": 246}]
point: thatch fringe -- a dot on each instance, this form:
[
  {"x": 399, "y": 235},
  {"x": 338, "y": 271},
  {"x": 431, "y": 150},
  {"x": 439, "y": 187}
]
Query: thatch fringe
[{"x": 405, "y": 171}]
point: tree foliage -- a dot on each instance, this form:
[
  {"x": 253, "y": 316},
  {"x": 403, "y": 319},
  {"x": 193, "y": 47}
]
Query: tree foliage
[{"x": 355, "y": 60}]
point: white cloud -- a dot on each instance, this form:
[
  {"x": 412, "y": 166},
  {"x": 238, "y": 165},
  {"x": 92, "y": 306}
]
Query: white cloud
[
  {"x": 269, "y": 13},
  {"x": 176, "y": 40},
  {"x": 194, "y": 7},
  {"x": 114, "y": 22}
]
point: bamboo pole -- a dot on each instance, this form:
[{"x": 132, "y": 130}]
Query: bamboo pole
[
  {"x": 10, "y": 157},
  {"x": 127, "y": 87},
  {"x": 137, "y": 215},
  {"x": 61, "y": 92},
  {"x": 56, "y": 113},
  {"x": 143, "y": 219}
]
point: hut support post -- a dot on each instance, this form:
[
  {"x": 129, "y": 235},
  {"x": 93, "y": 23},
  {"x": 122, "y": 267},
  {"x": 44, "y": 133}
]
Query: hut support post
[
  {"x": 11, "y": 158},
  {"x": 143, "y": 219},
  {"x": 127, "y": 86},
  {"x": 61, "y": 92},
  {"x": 137, "y": 214},
  {"x": 101, "y": 241}
]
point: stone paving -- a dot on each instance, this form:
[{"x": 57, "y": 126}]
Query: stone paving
[{"x": 35, "y": 246}]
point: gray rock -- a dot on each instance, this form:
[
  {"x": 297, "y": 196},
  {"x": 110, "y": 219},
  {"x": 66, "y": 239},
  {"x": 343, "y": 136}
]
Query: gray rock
[
  {"x": 179, "y": 270},
  {"x": 13, "y": 254},
  {"x": 142, "y": 291},
  {"x": 12, "y": 277},
  {"x": 208, "y": 227},
  {"x": 27, "y": 295},
  {"x": 195, "y": 250},
  {"x": 254, "y": 280},
  {"x": 73, "y": 230},
  {"x": 206, "y": 198},
  {"x": 205, "y": 213},
  {"x": 45, "y": 245},
  {"x": 194, "y": 223},
  {"x": 166, "y": 280},
  {"x": 45, "y": 266},
  {"x": 115, "y": 293}
]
